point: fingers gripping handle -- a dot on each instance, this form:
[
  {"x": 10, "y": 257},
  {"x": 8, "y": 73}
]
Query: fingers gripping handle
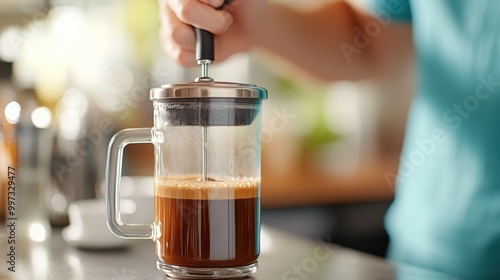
[
  {"x": 205, "y": 42},
  {"x": 113, "y": 175}
]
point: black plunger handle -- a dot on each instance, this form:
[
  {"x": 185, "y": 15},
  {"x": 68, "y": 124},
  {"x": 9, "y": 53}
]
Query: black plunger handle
[
  {"x": 204, "y": 45},
  {"x": 205, "y": 41}
]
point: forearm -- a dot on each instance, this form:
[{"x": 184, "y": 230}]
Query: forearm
[{"x": 321, "y": 41}]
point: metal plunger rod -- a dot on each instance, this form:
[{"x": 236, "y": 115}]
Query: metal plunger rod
[
  {"x": 205, "y": 57},
  {"x": 204, "y": 152},
  {"x": 204, "y": 70}
]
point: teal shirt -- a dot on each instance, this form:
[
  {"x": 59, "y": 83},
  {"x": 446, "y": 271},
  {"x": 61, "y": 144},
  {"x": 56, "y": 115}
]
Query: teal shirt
[{"x": 446, "y": 214}]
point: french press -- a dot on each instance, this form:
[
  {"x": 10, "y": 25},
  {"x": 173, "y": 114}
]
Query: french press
[{"x": 207, "y": 147}]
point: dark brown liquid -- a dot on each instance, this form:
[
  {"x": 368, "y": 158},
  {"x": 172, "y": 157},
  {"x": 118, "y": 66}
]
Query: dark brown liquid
[{"x": 207, "y": 224}]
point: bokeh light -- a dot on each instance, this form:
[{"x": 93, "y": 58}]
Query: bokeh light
[
  {"x": 9, "y": 43},
  {"x": 59, "y": 203},
  {"x": 41, "y": 117},
  {"x": 12, "y": 112},
  {"x": 37, "y": 232}
]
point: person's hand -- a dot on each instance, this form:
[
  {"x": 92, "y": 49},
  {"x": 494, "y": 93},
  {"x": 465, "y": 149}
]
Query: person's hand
[{"x": 234, "y": 28}]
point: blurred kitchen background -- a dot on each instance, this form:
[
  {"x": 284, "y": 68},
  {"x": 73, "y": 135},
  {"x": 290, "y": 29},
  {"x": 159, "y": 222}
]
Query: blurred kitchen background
[{"x": 73, "y": 72}]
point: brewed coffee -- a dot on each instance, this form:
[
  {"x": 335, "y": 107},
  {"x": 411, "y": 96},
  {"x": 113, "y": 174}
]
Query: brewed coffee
[{"x": 207, "y": 223}]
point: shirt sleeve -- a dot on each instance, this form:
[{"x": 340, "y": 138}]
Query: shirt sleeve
[{"x": 390, "y": 10}]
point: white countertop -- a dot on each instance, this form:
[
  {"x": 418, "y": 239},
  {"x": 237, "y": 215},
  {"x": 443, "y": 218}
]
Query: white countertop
[{"x": 283, "y": 256}]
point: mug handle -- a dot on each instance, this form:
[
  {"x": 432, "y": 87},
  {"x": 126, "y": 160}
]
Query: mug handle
[{"x": 113, "y": 175}]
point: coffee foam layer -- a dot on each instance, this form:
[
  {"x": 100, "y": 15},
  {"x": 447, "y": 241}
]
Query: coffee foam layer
[{"x": 195, "y": 189}]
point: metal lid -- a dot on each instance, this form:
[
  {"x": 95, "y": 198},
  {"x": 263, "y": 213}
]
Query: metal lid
[{"x": 208, "y": 89}]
